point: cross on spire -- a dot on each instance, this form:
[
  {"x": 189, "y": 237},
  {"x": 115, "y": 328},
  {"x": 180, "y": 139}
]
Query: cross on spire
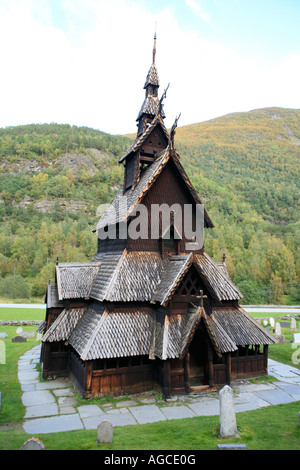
[{"x": 201, "y": 297}]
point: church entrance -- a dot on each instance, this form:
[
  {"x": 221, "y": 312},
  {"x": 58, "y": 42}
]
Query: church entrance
[{"x": 198, "y": 364}]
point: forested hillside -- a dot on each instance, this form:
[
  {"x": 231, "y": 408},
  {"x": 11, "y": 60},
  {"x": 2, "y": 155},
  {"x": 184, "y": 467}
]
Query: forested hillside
[{"x": 244, "y": 166}]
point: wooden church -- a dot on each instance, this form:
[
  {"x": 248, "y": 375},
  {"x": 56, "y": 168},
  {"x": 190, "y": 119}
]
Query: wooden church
[{"x": 149, "y": 313}]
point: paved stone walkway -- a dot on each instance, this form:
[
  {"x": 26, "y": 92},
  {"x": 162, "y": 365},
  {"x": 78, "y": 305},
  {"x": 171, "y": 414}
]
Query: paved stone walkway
[{"x": 51, "y": 405}]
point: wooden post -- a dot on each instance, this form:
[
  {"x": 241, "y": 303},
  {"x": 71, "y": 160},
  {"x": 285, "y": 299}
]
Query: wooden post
[
  {"x": 228, "y": 368},
  {"x": 88, "y": 375},
  {"x": 187, "y": 373},
  {"x": 166, "y": 378},
  {"x": 210, "y": 365},
  {"x": 266, "y": 358}
]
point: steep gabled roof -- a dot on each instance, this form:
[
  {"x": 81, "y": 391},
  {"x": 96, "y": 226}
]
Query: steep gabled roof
[
  {"x": 172, "y": 274},
  {"x": 215, "y": 279},
  {"x": 217, "y": 282},
  {"x": 139, "y": 141},
  {"x": 124, "y": 202}
]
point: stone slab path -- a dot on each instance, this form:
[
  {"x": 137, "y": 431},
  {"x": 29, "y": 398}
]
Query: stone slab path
[{"x": 51, "y": 406}]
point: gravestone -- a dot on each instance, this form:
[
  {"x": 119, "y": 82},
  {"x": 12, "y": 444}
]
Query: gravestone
[
  {"x": 265, "y": 322},
  {"x": 33, "y": 444},
  {"x": 18, "y": 339},
  {"x": 272, "y": 322},
  {"x": 277, "y": 329},
  {"x": 232, "y": 447},
  {"x": 281, "y": 339},
  {"x": 293, "y": 325},
  {"x": 3, "y": 335},
  {"x": 285, "y": 324},
  {"x": 296, "y": 337},
  {"x": 105, "y": 432},
  {"x": 19, "y": 330},
  {"x": 228, "y": 427},
  {"x": 2, "y": 353},
  {"x": 39, "y": 336},
  {"x": 28, "y": 334}
]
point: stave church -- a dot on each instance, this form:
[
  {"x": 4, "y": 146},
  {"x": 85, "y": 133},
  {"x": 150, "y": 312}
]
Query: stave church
[{"x": 150, "y": 313}]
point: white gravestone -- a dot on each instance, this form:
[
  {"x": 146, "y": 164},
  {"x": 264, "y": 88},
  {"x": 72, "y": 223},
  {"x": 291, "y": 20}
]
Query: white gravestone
[
  {"x": 228, "y": 427},
  {"x": 277, "y": 329},
  {"x": 293, "y": 325},
  {"x": 296, "y": 337},
  {"x": 272, "y": 322}
]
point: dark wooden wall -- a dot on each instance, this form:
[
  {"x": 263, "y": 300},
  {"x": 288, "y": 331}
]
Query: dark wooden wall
[{"x": 170, "y": 189}]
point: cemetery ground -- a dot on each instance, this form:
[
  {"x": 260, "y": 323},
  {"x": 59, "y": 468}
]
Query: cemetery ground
[{"x": 270, "y": 428}]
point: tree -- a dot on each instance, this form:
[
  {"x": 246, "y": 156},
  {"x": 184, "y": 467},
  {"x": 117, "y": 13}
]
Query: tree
[{"x": 14, "y": 287}]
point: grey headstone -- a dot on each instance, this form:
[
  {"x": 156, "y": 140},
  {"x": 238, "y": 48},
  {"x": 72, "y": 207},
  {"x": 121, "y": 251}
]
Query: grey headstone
[
  {"x": 281, "y": 339},
  {"x": 228, "y": 427},
  {"x": 19, "y": 330},
  {"x": 18, "y": 339},
  {"x": 232, "y": 447},
  {"x": 3, "y": 335},
  {"x": 293, "y": 325},
  {"x": 28, "y": 334},
  {"x": 285, "y": 324},
  {"x": 33, "y": 444},
  {"x": 277, "y": 329},
  {"x": 105, "y": 432}
]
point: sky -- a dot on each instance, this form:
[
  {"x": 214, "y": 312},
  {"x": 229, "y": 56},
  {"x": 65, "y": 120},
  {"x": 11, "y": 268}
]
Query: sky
[{"x": 84, "y": 62}]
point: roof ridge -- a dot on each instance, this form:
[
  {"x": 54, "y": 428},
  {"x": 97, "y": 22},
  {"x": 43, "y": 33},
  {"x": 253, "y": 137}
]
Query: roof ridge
[{"x": 91, "y": 339}]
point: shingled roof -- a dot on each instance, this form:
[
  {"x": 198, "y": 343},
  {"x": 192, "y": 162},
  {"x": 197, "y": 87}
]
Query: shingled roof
[
  {"x": 113, "y": 332},
  {"x": 140, "y": 139},
  {"x": 64, "y": 325},
  {"x": 216, "y": 280},
  {"x": 126, "y": 277},
  {"x": 74, "y": 280},
  {"x": 120, "y": 209}
]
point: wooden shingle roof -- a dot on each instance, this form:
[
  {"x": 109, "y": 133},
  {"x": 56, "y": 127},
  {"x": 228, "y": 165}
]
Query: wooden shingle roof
[
  {"x": 240, "y": 327},
  {"x": 124, "y": 203},
  {"x": 216, "y": 280},
  {"x": 74, "y": 280},
  {"x": 113, "y": 332},
  {"x": 127, "y": 276},
  {"x": 138, "y": 142},
  {"x": 64, "y": 325}
]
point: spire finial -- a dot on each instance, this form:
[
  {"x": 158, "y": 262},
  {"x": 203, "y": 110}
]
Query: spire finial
[{"x": 154, "y": 47}]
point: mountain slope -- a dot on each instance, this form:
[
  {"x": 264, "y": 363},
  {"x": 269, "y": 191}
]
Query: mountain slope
[{"x": 254, "y": 154}]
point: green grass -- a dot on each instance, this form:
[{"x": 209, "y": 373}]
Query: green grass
[
  {"x": 274, "y": 315},
  {"x": 7, "y": 313}
]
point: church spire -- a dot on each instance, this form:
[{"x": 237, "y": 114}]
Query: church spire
[
  {"x": 154, "y": 48},
  {"x": 151, "y": 104}
]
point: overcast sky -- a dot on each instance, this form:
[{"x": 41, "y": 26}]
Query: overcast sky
[{"x": 84, "y": 62}]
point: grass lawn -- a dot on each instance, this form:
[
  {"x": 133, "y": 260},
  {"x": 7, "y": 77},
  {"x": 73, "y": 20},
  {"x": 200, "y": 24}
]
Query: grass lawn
[
  {"x": 271, "y": 428},
  {"x": 7, "y": 313}
]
